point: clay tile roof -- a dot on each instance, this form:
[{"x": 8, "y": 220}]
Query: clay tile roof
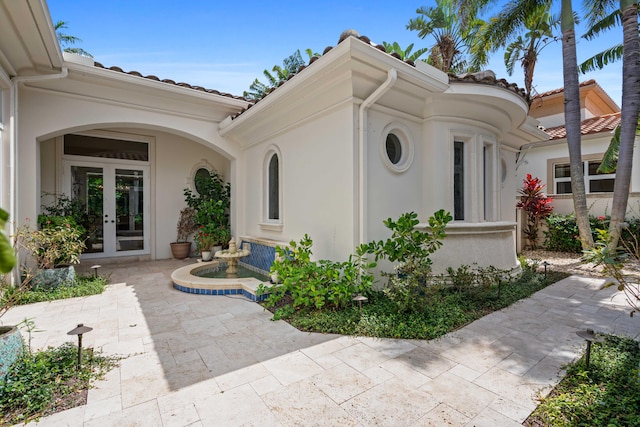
[
  {"x": 561, "y": 90},
  {"x": 588, "y": 127},
  {"x": 467, "y": 78},
  {"x": 169, "y": 81}
]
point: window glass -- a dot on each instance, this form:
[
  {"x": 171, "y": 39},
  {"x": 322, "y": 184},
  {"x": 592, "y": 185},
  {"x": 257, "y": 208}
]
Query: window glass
[
  {"x": 595, "y": 182},
  {"x": 91, "y": 146},
  {"x": 458, "y": 180},
  {"x": 601, "y": 185},
  {"x": 200, "y": 179},
  {"x": 274, "y": 188},
  {"x": 394, "y": 149},
  {"x": 562, "y": 171}
]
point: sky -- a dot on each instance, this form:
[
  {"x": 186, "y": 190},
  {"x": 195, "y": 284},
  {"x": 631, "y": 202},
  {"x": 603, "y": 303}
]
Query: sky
[{"x": 226, "y": 45}]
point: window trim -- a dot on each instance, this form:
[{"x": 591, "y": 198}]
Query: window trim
[
  {"x": 271, "y": 224},
  {"x": 551, "y": 178},
  {"x": 406, "y": 146}
]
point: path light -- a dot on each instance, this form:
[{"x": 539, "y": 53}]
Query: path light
[
  {"x": 95, "y": 270},
  {"x": 590, "y": 337},
  {"x": 360, "y": 298},
  {"x": 79, "y": 330},
  {"x": 545, "y": 264}
]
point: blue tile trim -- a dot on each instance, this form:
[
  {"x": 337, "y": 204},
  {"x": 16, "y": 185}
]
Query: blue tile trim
[{"x": 216, "y": 292}]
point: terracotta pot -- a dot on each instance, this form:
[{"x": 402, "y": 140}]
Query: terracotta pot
[
  {"x": 11, "y": 347},
  {"x": 180, "y": 250}
]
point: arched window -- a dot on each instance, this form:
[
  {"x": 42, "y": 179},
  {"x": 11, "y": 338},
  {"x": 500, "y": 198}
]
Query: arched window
[{"x": 273, "y": 188}]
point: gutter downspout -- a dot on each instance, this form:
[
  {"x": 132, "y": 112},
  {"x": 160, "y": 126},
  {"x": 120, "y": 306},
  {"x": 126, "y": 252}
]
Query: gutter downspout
[
  {"x": 13, "y": 138},
  {"x": 392, "y": 77}
]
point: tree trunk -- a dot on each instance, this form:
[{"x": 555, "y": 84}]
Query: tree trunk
[
  {"x": 628, "y": 117},
  {"x": 573, "y": 122}
]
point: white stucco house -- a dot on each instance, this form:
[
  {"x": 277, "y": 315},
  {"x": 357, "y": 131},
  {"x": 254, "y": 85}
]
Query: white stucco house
[
  {"x": 355, "y": 137},
  {"x": 549, "y": 159}
]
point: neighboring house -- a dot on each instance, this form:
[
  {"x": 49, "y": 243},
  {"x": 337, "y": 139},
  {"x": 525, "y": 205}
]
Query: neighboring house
[
  {"x": 354, "y": 138},
  {"x": 549, "y": 159}
]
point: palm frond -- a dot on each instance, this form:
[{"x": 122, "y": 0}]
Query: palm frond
[
  {"x": 599, "y": 60},
  {"x": 613, "y": 20}
]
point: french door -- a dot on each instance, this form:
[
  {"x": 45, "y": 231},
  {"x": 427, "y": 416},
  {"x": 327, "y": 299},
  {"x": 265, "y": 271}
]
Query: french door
[{"x": 115, "y": 199}]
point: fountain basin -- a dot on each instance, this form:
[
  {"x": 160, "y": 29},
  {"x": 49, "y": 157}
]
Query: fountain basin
[{"x": 185, "y": 279}]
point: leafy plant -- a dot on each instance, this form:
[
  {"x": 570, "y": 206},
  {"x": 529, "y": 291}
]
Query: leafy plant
[
  {"x": 411, "y": 249},
  {"x": 25, "y": 294},
  {"x": 211, "y": 206},
  {"x": 536, "y": 205},
  {"x": 58, "y": 242},
  {"x": 608, "y": 394},
  {"x": 443, "y": 310},
  {"x": 7, "y": 256},
  {"x": 304, "y": 283},
  {"x": 48, "y": 381},
  {"x": 86, "y": 213}
]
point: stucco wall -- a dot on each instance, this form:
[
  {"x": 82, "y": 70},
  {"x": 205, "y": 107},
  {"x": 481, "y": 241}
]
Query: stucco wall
[
  {"x": 536, "y": 162},
  {"x": 179, "y": 143},
  {"x": 317, "y": 164},
  {"x": 391, "y": 193}
]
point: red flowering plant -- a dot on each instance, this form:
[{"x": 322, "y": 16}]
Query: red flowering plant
[
  {"x": 537, "y": 206},
  {"x": 204, "y": 237},
  {"x": 210, "y": 235}
]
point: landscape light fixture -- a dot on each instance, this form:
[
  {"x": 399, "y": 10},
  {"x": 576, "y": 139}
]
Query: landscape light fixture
[
  {"x": 360, "y": 298},
  {"x": 79, "y": 330},
  {"x": 590, "y": 337},
  {"x": 95, "y": 270},
  {"x": 545, "y": 264}
]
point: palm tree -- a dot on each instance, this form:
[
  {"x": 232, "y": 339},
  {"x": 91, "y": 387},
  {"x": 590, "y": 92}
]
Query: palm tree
[
  {"x": 510, "y": 20},
  {"x": 65, "y": 40},
  {"x": 628, "y": 116},
  {"x": 405, "y": 54},
  {"x": 573, "y": 122},
  {"x": 290, "y": 65},
  {"x": 525, "y": 48},
  {"x": 603, "y": 15},
  {"x": 453, "y": 34}
]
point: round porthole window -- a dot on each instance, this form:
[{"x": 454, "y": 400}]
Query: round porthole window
[
  {"x": 394, "y": 149},
  {"x": 200, "y": 178}
]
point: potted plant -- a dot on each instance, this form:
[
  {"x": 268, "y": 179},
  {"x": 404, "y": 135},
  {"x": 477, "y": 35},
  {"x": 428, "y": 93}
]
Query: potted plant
[
  {"x": 212, "y": 203},
  {"x": 55, "y": 246},
  {"x": 181, "y": 248},
  {"x": 205, "y": 239}
]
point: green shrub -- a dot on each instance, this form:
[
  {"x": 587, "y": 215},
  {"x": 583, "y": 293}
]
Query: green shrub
[
  {"x": 411, "y": 249},
  {"x": 84, "y": 286},
  {"x": 562, "y": 234},
  {"x": 443, "y": 310},
  {"x": 608, "y": 394},
  {"x": 46, "y": 382},
  {"x": 303, "y": 283}
]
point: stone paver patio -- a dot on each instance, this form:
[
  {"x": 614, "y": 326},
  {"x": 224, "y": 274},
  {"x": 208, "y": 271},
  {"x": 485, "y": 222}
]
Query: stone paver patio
[{"x": 196, "y": 360}]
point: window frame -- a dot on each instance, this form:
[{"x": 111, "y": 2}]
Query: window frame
[
  {"x": 402, "y": 134},
  {"x": 588, "y": 178},
  {"x": 268, "y": 223}
]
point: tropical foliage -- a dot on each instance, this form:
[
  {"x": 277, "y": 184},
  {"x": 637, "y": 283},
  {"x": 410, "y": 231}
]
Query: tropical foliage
[
  {"x": 454, "y": 35},
  {"x": 66, "y": 40},
  {"x": 278, "y": 74},
  {"x": 405, "y": 54},
  {"x": 536, "y": 205}
]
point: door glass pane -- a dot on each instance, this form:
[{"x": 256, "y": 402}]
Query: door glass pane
[
  {"x": 87, "y": 188},
  {"x": 129, "y": 210}
]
